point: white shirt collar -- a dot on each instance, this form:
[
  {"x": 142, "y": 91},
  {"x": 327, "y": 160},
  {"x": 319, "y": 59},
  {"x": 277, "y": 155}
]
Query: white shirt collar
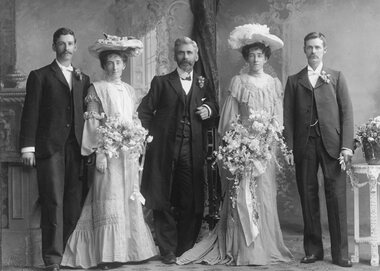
[
  {"x": 69, "y": 68},
  {"x": 316, "y": 71},
  {"x": 184, "y": 74}
]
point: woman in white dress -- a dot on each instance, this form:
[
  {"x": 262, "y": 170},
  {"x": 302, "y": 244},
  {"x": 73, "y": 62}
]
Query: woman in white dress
[
  {"x": 111, "y": 230},
  {"x": 236, "y": 239}
]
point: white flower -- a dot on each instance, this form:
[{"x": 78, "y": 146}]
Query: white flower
[
  {"x": 325, "y": 77},
  {"x": 117, "y": 135}
]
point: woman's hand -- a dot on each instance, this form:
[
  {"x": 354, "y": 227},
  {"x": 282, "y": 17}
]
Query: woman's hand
[{"x": 101, "y": 162}]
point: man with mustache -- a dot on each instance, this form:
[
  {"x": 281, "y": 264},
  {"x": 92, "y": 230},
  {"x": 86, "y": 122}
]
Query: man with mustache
[
  {"x": 174, "y": 111},
  {"x": 50, "y": 139},
  {"x": 318, "y": 120}
]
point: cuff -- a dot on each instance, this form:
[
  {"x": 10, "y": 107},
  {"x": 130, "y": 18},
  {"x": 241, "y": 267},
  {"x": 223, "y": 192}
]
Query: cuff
[
  {"x": 28, "y": 149},
  {"x": 347, "y": 149},
  {"x": 208, "y": 109}
]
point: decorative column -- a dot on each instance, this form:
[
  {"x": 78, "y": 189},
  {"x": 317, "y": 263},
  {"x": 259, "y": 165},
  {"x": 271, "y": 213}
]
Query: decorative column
[{"x": 7, "y": 37}]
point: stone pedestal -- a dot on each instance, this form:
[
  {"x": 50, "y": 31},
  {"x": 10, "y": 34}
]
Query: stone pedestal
[{"x": 372, "y": 173}]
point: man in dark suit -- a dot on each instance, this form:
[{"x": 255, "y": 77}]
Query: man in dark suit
[
  {"x": 318, "y": 122},
  {"x": 174, "y": 111},
  {"x": 50, "y": 138}
]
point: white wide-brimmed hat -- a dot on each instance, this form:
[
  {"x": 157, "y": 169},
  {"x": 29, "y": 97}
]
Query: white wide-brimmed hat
[
  {"x": 129, "y": 45},
  {"x": 251, "y": 33}
]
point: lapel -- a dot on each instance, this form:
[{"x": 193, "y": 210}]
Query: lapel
[
  {"x": 320, "y": 81},
  {"x": 195, "y": 86},
  {"x": 59, "y": 75},
  {"x": 77, "y": 88},
  {"x": 176, "y": 84},
  {"x": 303, "y": 79}
]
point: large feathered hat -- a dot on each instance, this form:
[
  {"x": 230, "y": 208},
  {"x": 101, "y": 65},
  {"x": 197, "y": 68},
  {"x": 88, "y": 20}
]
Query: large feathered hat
[
  {"x": 129, "y": 45},
  {"x": 251, "y": 33}
]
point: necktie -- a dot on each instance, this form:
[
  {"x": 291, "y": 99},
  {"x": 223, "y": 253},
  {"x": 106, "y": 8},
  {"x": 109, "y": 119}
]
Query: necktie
[
  {"x": 187, "y": 78},
  {"x": 69, "y": 68}
]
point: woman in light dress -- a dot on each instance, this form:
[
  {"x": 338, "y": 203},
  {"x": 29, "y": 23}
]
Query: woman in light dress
[
  {"x": 236, "y": 239},
  {"x": 111, "y": 230}
]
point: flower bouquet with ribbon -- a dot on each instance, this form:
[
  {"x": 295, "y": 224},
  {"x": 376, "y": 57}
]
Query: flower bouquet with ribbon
[
  {"x": 116, "y": 135},
  {"x": 246, "y": 150}
]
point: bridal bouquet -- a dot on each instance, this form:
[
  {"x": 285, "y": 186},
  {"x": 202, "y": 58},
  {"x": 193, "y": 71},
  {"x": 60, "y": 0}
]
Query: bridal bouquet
[
  {"x": 247, "y": 148},
  {"x": 117, "y": 135}
]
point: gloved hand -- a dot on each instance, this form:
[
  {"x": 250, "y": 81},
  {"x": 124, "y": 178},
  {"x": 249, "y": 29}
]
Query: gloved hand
[
  {"x": 289, "y": 159},
  {"x": 101, "y": 162}
]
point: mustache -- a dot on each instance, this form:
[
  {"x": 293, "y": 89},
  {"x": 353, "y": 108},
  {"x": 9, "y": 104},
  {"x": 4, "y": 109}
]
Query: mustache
[
  {"x": 66, "y": 52},
  {"x": 185, "y": 62}
]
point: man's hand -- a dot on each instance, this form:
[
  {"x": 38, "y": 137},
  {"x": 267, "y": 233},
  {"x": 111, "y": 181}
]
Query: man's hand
[
  {"x": 101, "y": 162},
  {"x": 289, "y": 159},
  {"x": 202, "y": 112},
  {"x": 28, "y": 159},
  {"x": 345, "y": 159}
]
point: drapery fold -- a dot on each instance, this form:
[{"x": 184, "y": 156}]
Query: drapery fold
[{"x": 204, "y": 33}]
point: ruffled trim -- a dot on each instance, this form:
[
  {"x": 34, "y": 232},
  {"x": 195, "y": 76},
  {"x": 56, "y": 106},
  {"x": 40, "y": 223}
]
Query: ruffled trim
[
  {"x": 244, "y": 91},
  {"x": 106, "y": 239},
  {"x": 93, "y": 115},
  {"x": 91, "y": 97}
]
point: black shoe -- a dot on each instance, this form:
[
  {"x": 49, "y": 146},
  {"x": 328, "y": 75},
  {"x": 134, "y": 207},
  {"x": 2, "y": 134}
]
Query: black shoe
[
  {"x": 343, "y": 263},
  {"x": 169, "y": 258},
  {"x": 53, "y": 267},
  {"x": 311, "y": 259},
  {"x": 107, "y": 266}
]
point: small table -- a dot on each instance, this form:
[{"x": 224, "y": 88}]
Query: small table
[{"x": 372, "y": 173}]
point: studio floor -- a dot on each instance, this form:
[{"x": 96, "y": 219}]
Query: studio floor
[{"x": 294, "y": 242}]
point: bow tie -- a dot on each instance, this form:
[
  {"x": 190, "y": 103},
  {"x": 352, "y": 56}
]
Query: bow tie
[
  {"x": 186, "y": 78},
  {"x": 69, "y": 68}
]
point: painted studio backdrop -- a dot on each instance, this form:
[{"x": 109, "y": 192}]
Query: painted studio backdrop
[{"x": 26, "y": 29}]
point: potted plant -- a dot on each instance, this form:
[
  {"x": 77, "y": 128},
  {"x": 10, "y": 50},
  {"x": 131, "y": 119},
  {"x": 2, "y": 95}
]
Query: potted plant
[{"x": 368, "y": 137}]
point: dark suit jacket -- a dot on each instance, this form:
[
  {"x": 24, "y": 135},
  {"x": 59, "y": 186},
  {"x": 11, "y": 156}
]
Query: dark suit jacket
[
  {"x": 47, "y": 114},
  {"x": 334, "y": 109},
  {"x": 160, "y": 112}
]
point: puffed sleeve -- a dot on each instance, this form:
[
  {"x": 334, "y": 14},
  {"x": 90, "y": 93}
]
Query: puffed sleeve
[
  {"x": 278, "y": 107},
  {"x": 92, "y": 119},
  {"x": 231, "y": 106}
]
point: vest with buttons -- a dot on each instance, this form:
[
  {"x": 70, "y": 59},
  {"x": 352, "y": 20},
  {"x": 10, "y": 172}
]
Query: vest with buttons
[{"x": 184, "y": 127}]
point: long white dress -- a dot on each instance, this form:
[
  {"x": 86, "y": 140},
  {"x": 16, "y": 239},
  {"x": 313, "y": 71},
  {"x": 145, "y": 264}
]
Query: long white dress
[
  {"x": 235, "y": 240},
  {"x": 111, "y": 227}
]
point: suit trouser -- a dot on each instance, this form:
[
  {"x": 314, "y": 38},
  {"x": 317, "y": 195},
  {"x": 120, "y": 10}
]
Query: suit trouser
[
  {"x": 177, "y": 229},
  {"x": 335, "y": 192},
  {"x": 60, "y": 192}
]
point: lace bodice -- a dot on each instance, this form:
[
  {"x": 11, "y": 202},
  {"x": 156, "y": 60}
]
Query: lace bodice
[
  {"x": 248, "y": 92},
  {"x": 106, "y": 99},
  {"x": 116, "y": 99}
]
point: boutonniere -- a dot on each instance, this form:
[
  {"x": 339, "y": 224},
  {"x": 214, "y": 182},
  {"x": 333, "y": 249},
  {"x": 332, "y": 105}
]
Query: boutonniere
[
  {"x": 78, "y": 74},
  {"x": 201, "y": 81},
  {"x": 325, "y": 77}
]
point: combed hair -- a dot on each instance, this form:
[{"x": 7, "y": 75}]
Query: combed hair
[
  {"x": 185, "y": 40},
  {"x": 103, "y": 56},
  {"x": 315, "y": 35},
  {"x": 63, "y": 31},
  {"x": 257, "y": 45}
]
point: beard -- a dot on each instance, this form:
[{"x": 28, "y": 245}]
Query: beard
[{"x": 186, "y": 65}]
